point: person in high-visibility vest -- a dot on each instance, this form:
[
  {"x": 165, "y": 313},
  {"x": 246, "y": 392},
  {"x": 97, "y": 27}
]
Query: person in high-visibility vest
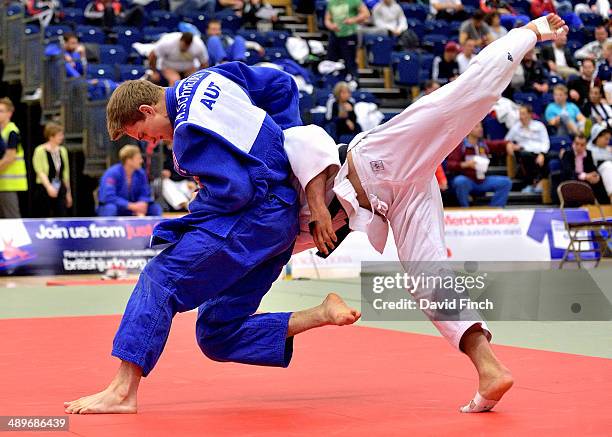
[{"x": 13, "y": 176}]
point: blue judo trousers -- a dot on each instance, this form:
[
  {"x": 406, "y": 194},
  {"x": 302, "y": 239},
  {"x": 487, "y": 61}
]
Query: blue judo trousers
[{"x": 222, "y": 257}]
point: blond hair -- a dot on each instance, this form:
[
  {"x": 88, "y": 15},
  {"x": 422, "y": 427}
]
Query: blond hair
[
  {"x": 8, "y": 103},
  {"x": 560, "y": 87},
  {"x": 128, "y": 152},
  {"x": 52, "y": 129},
  {"x": 122, "y": 109},
  {"x": 339, "y": 87}
]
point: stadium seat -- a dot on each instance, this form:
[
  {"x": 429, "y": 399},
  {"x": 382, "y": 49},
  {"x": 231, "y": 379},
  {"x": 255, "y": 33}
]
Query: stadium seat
[
  {"x": 379, "y": 50},
  {"x": 555, "y": 80},
  {"x": 274, "y": 53},
  {"x": 231, "y": 23},
  {"x": 415, "y": 10},
  {"x": 558, "y": 143},
  {"x": 406, "y": 67},
  {"x": 493, "y": 129},
  {"x": 31, "y": 29},
  {"x": 198, "y": 19},
  {"x": 417, "y": 27},
  {"x": 91, "y": 34},
  {"x": 153, "y": 33},
  {"x": 164, "y": 18},
  {"x": 101, "y": 71},
  {"x": 74, "y": 15},
  {"x": 322, "y": 95},
  {"x": 252, "y": 57},
  {"x": 112, "y": 54},
  {"x": 131, "y": 72},
  {"x": 56, "y": 30},
  {"x": 126, "y": 36},
  {"x": 14, "y": 9},
  {"x": 276, "y": 38},
  {"x": 574, "y": 45},
  {"x": 253, "y": 35},
  {"x": 591, "y": 19},
  {"x": 434, "y": 43},
  {"x": 364, "y": 96},
  {"x": 306, "y": 102},
  {"x": 436, "y": 26}
]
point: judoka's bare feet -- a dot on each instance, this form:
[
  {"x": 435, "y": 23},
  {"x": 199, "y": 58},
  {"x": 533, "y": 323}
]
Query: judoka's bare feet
[
  {"x": 118, "y": 398},
  {"x": 332, "y": 311},
  {"x": 554, "y": 21}
]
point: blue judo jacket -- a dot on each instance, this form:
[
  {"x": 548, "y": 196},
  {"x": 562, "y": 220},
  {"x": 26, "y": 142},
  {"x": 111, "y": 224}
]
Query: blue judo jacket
[
  {"x": 114, "y": 187},
  {"x": 228, "y": 135}
]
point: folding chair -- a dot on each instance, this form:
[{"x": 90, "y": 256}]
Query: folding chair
[{"x": 597, "y": 233}]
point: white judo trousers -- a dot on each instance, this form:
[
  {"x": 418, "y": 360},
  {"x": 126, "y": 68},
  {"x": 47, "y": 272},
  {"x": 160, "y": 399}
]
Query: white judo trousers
[{"x": 396, "y": 162}]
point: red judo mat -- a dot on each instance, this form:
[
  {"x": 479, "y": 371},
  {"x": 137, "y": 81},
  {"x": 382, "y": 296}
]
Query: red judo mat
[{"x": 342, "y": 381}]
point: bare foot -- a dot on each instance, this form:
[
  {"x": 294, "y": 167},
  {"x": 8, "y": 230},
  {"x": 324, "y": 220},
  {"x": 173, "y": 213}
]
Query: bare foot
[
  {"x": 336, "y": 312},
  {"x": 554, "y": 21},
  {"x": 118, "y": 397},
  {"x": 494, "y": 383},
  {"x": 109, "y": 401}
]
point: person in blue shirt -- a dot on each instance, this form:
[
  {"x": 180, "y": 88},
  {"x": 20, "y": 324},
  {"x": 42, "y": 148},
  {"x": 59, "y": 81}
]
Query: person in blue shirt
[
  {"x": 226, "y": 123},
  {"x": 124, "y": 188},
  {"x": 564, "y": 117}
]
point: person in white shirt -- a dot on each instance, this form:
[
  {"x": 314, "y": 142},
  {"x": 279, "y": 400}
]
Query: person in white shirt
[
  {"x": 594, "y": 49},
  {"x": 528, "y": 141},
  {"x": 464, "y": 58},
  {"x": 177, "y": 55},
  {"x": 389, "y": 17},
  {"x": 601, "y": 151},
  {"x": 450, "y": 10}
]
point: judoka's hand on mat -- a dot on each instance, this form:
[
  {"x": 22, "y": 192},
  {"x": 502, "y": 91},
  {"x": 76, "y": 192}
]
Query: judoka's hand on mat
[{"x": 322, "y": 230}]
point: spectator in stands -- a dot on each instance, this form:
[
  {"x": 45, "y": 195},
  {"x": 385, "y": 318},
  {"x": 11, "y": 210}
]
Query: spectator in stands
[
  {"x": 389, "y": 16},
  {"x": 464, "y": 164},
  {"x": 124, "y": 188},
  {"x": 534, "y": 74},
  {"x": 52, "y": 196},
  {"x": 441, "y": 178},
  {"x": 529, "y": 143},
  {"x": 559, "y": 58},
  {"x": 564, "y": 117},
  {"x": 594, "y": 49},
  {"x": 74, "y": 55},
  {"x": 177, "y": 190},
  {"x": 222, "y": 48},
  {"x": 228, "y": 6},
  {"x": 599, "y": 146},
  {"x": 542, "y": 7},
  {"x": 500, "y": 6},
  {"x": 341, "y": 114},
  {"x": 445, "y": 68},
  {"x": 177, "y": 55},
  {"x": 109, "y": 13},
  {"x": 449, "y": 10},
  {"x": 579, "y": 86},
  {"x": 495, "y": 28},
  {"x": 258, "y": 14},
  {"x": 599, "y": 7},
  {"x": 577, "y": 164},
  {"x": 604, "y": 71},
  {"x": 466, "y": 55},
  {"x": 13, "y": 176},
  {"x": 599, "y": 111},
  {"x": 342, "y": 18},
  {"x": 475, "y": 28},
  {"x": 43, "y": 10}
]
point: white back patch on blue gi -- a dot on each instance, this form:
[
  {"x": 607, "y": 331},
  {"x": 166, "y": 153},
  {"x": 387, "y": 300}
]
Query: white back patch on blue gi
[{"x": 222, "y": 106}]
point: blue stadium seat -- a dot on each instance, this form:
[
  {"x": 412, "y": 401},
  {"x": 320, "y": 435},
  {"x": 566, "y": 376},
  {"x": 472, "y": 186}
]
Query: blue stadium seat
[
  {"x": 415, "y": 10},
  {"x": 574, "y": 45},
  {"x": 407, "y": 67},
  {"x": 56, "y": 30},
  {"x": 493, "y": 129},
  {"x": 555, "y": 80},
  {"x": 276, "y": 38},
  {"x": 364, "y": 96},
  {"x": 379, "y": 49},
  {"x": 531, "y": 99},
  {"x": 74, "y": 15},
  {"x": 388, "y": 116},
  {"x": 434, "y": 43},
  {"x": 417, "y": 27},
  {"x": 126, "y": 36},
  {"x": 165, "y": 18},
  {"x": 274, "y": 53},
  {"x": 306, "y": 102},
  {"x": 508, "y": 21},
  {"x": 198, "y": 19},
  {"x": 318, "y": 118},
  {"x": 112, "y": 54},
  {"x": 436, "y": 26},
  {"x": 252, "y": 57},
  {"x": 558, "y": 143},
  {"x": 231, "y": 23},
  {"x": 91, "y": 34},
  {"x": 131, "y": 72},
  {"x": 322, "y": 95},
  {"x": 31, "y": 29},
  {"x": 101, "y": 71},
  {"x": 591, "y": 19},
  {"x": 577, "y": 35},
  {"x": 14, "y": 9},
  {"x": 252, "y": 35},
  {"x": 153, "y": 33}
]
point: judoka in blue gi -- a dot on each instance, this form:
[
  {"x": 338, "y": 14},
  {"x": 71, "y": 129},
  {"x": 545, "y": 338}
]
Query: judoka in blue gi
[{"x": 227, "y": 126}]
